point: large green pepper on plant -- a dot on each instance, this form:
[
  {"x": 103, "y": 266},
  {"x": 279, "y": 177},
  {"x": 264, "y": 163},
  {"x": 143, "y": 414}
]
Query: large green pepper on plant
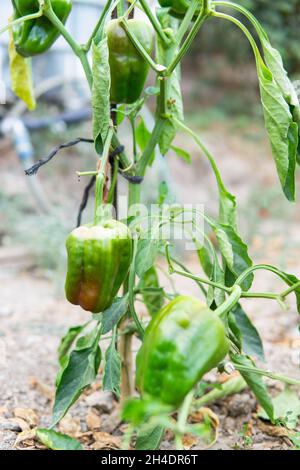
[
  {"x": 176, "y": 6},
  {"x": 36, "y": 36},
  {"x": 182, "y": 342},
  {"x": 128, "y": 68},
  {"x": 99, "y": 257}
]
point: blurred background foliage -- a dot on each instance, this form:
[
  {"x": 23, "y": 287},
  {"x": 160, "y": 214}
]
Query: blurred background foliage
[{"x": 225, "y": 59}]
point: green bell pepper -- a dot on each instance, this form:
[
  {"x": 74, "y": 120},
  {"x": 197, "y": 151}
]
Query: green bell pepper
[
  {"x": 99, "y": 257},
  {"x": 128, "y": 68},
  {"x": 182, "y": 342},
  {"x": 36, "y": 36}
]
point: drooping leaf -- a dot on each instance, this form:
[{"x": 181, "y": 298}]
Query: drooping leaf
[
  {"x": 112, "y": 370},
  {"x": 182, "y": 154},
  {"x": 112, "y": 315},
  {"x": 281, "y": 129},
  {"x": 142, "y": 135},
  {"x": 21, "y": 75},
  {"x": 165, "y": 55},
  {"x": 163, "y": 192},
  {"x": 250, "y": 338},
  {"x": 292, "y": 280},
  {"x": 57, "y": 441},
  {"x": 149, "y": 438},
  {"x": 100, "y": 93},
  {"x": 137, "y": 411},
  {"x": 287, "y": 408},
  {"x": 147, "y": 251},
  {"x": 68, "y": 339},
  {"x": 234, "y": 252},
  {"x": 153, "y": 300},
  {"x": 256, "y": 384},
  {"x": 80, "y": 372}
]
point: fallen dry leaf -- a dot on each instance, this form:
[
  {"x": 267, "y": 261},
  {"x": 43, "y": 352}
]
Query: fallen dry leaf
[
  {"x": 24, "y": 425},
  {"x": 189, "y": 440},
  {"x": 26, "y": 438},
  {"x": 103, "y": 440},
  {"x": 200, "y": 415},
  {"x": 271, "y": 430},
  {"x": 70, "y": 426},
  {"x": 93, "y": 420},
  {"x": 28, "y": 415}
]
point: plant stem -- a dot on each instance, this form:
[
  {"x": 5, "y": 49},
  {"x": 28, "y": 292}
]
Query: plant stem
[
  {"x": 33, "y": 16},
  {"x": 230, "y": 302},
  {"x": 187, "y": 20},
  {"x": 100, "y": 179},
  {"x": 260, "y": 295},
  {"x": 78, "y": 50},
  {"x": 270, "y": 375},
  {"x": 99, "y": 26},
  {"x": 189, "y": 275},
  {"x": 289, "y": 290},
  {"x": 154, "y": 21},
  {"x": 203, "y": 15},
  {"x": 146, "y": 156},
  {"x": 125, "y": 341},
  {"x": 138, "y": 45},
  {"x": 182, "y": 419}
]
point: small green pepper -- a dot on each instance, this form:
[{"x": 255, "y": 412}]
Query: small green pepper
[
  {"x": 36, "y": 36},
  {"x": 182, "y": 342},
  {"x": 128, "y": 68},
  {"x": 98, "y": 262}
]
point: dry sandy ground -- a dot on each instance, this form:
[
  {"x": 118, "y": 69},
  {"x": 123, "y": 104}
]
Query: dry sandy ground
[{"x": 33, "y": 316}]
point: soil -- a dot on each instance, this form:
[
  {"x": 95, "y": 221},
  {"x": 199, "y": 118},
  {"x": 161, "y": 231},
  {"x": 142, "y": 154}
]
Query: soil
[{"x": 34, "y": 315}]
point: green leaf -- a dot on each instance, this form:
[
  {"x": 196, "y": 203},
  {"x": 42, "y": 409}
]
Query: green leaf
[
  {"x": 287, "y": 408},
  {"x": 234, "y": 252},
  {"x": 274, "y": 63},
  {"x": 149, "y": 438},
  {"x": 153, "y": 300},
  {"x": 230, "y": 387},
  {"x": 57, "y": 441},
  {"x": 82, "y": 343},
  {"x": 112, "y": 315},
  {"x": 112, "y": 370},
  {"x": 142, "y": 135},
  {"x": 21, "y": 75},
  {"x": 138, "y": 411},
  {"x": 152, "y": 91},
  {"x": 291, "y": 280},
  {"x": 256, "y": 384},
  {"x": 251, "y": 341},
  {"x": 182, "y": 154},
  {"x": 281, "y": 129},
  {"x": 80, "y": 372},
  {"x": 163, "y": 191},
  {"x": 100, "y": 93},
  {"x": 147, "y": 251},
  {"x": 227, "y": 207},
  {"x": 68, "y": 339}
]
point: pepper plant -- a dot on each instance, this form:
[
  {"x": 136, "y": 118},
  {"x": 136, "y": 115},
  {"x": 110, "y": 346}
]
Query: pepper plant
[{"x": 187, "y": 336}]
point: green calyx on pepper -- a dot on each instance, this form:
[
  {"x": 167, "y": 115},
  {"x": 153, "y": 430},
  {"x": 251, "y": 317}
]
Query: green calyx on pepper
[
  {"x": 182, "y": 342},
  {"x": 36, "y": 36},
  {"x": 99, "y": 258},
  {"x": 128, "y": 68}
]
